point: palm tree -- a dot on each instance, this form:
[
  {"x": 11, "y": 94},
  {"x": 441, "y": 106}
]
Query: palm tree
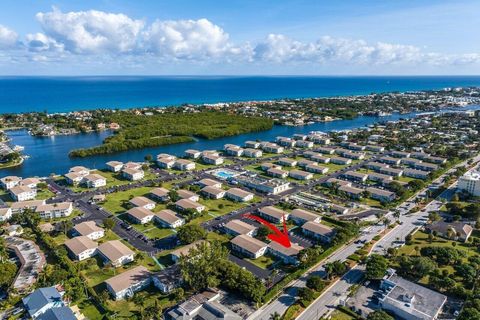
[
  {"x": 396, "y": 214},
  {"x": 275, "y": 316},
  {"x": 386, "y": 222}
]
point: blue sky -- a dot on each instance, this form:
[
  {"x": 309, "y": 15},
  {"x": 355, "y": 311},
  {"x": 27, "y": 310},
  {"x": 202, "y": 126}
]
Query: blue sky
[{"x": 239, "y": 37}]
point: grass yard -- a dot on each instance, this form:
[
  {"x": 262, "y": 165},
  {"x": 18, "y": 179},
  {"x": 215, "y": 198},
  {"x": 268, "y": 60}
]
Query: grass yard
[
  {"x": 115, "y": 202},
  {"x": 263, "y": 262},
  {"x": 339, "y": 315}
]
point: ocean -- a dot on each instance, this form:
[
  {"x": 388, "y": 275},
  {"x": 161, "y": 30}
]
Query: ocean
[{"x": 63, "y": 94}]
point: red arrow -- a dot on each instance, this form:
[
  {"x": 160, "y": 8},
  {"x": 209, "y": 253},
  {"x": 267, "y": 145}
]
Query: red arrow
[{"x": 278, "y": 236}]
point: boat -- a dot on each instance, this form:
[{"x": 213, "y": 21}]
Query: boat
[{"x": 18, "y": 148}]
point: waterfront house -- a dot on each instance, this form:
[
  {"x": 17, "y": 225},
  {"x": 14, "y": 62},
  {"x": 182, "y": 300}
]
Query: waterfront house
[
  {"x": 159, "y": 194},
  {"x": 316, "y": 169},
  {"x": 381, "y": 195},
  {"x": 210, "y": 183},
  {"x": 238, "y": 195},
  {"x": 80, "y": 170},
  {"x": 132, "y": 174},
  {"x": 165, "y": 163},
  {"x": 185, "y": 194},
  {"x": 300, "y": 175},
  {"x": 88, "y": 229},
  {"x": 352, "y": 192},
  {"x": 94, "y": 180},
  {"x": 54, "y": 210},
  {"x": 273, "y": 214},
  {"x": 32, "y": 183},
  {"x": 272, "y": 148},
  {"x": 287, "y": 162},
  {"x": 73, "y": 178},
  {"x": 248, "y": 246},
  {"x": 277, "y": 173},
  {"x": 252, "y": 144},
  {"x": 340, "y": 160},
  {"x": 168, "y": 219},
  {"x": 192, "y": 154},
  {"x": 233, "y": 150},
  {"x": 252, "y": 153},
  {"x": 126, "y": 284},
  {"x": 41, "y": 300},
  {"x": 132, "y": 165},
  {"x": 304, "y": 144},
  {"x": 115, "y": 253},
  {"x": 114, "y": 166},
  {"x": 142, "y": 202},
  {"x": 22, "y": 193},
  {"x": 300, "y": 216},
  {"x": 10, "y": 182},
  {"x": 186, "y": 204},
  {"x": 355, "y": 176},
  {"x": 287, "y": 255},
  {"x": 318, "y": 231},
  {"x": 237, "y": 227},
  {"x": 81, "y": 248},
  {"x": 184, "y": 165},
  {"x": 140, "y": 215},
  {"x": 212, "y": 192},
  {"x": 286, "y": 142}
]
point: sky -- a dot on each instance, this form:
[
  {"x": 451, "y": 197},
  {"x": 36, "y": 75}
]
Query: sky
[{"x": 239, "y": 37}]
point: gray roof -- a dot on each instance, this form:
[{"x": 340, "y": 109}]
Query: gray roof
[
  {"x": 62, "y": 313},
  {"x": 40, "y": 298}
]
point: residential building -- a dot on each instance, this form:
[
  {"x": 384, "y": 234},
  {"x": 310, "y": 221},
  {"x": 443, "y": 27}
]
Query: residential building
[
  {"x": 400, "y": 154},
  {"x": 94, "y": 180},
  {"x": 340, "y": 160},
  {"x": 185, "y": 194},
  {"x": 426, "y": 166},
  {"x": 212, "y": 159},
  {"x": 325, "y": 150},
  {"x": 320, "y": 159},
  {"x": 165, "y": 163},
  {"x": 10, "y": 182},
  {"x": 5, "y": 214},
  {"x": 169, "y": 219},
  {"x": 352, "y": 192},
  {"x": 248, "y": 246},
  {"x": 376, "y": 166},
  {"x": 334, "y": 181},
  {"x": 394, "y": 172},
  {"x": 287, "y": 162},
  {"x": 304, "y": 144},
  {"x": 238, "y": 195},
  {"x": 318, "y": 231},
  {"x": 237, "y": 227},
  {"x": 186, "y": 204},
  {"x": 375, "y": 148},
  {"x": 81, "y": 248},
  {"x": 213, "y": 193},
  {"x": 55, "y": 210},
  {"x": 88, "y": 229},
  {"x": 183, "y": 251},
  {"x": 114, "y": 166},
  {"x": 115, "y": 253},
  {"x": 417, "y": 174},
  {"x": 277, "y": 173},
  {"x": 273, "y": 214},
  {"x": 316, "y": 169},
  {"x": 267, "y": 165},
  {"x": 133, "y": 174},
  {"x": 127, "y": 283},
  {"x": 252, "y": 153},
  {"x": 390, "y": 160},
  {"x": 381, "y": 195},
  {"x": 142, "y": 202},
  {"x": 210, "y": 183},
  {"x": 458, "y": 230},
  {"x": 21, "y": 206},
  {"x": 470, "y": 182},
  {"x": 338, "y": 209},
  {"x": 287, "y": 255},
  {"x": 22, "y": 193},
  {"x": 168, "y": 279},
  {"x": 60, "y": 313},
  {"x": 140, "y": 215},
  {"x": 268, "y": 186},
  {"x": 286, "y": 142},
  {"x": 300, "y": 175},
  {"x": 30, "y": 182},
  {"x": 252, "y": 144},
  {"x": 300, "y": 216},
  {"x": 192, "y": 154},
  {"x": 305, "y": 163},
  {"x": 378, "y": 177},
  {"x": 272, "y": 148},
  {"x": 160, "y": 194},
  {"x": 184, "y": 165},
  {"x": 80, "y": 170},
  {"x": 42, "y": 300},
  {"x": 233, "y": 150},
  {"x": 73, "y": 178}
]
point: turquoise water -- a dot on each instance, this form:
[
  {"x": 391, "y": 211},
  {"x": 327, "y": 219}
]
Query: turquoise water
[{"x": 60, "y": 94}]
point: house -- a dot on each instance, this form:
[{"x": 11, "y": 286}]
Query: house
[
  {"x": 160, "y": 194},
  {"x": 22, "y": 193},
  {"x": 237, "y": 227},
  {"x": 184, "y": 165},
  {"x": 376, "y": 166},
  {"x": 272, "y": 148},
  {"x": 355, "y": 176},
  {"x": 340, "y": 160},
  {"x": 133, "y": 174},
  {"x": 238, "y": 195},
  {"x": 185, "y": 194},
  {"x": 375, "y": 148},
  {"x": 60, "y": 313},
  {"x": 30, "y": 182},
  {"x": 73, "y": 178},
  {"x": 320, "y": 139},
  {"x": 268, "y": 186},
  {"x": 267, "y": 165},
  {"x": 286, "y": 142},
  {"x": 21, "y": 206},
  {"x": 354, "y": 155},
  {"x": 210, "y": 183},
  {"x": 390, "y": 160},
  {"x": 54, "y": 210},
  {"x": 287, "y": 255},
  {"x": 300, "y": 216},
  {"x": 321, "y": 159},
  {"x": 408, "y": 300},
  {"x": 192, "y": 154},
  {"x": 305, "y": 163},
  {"x": 42, "y": 300},
  {"x": 298, "y": 136},
  {"x": 165, "y": 163},
  {"x": 81, "y": 248},
  {"x": 168, "y": 279},
  {"x": 378, "y": 177},
  {"x": 316, "y": 169},
  {"x": 115, "y": 253},
  {"x": 304, "y": 144},
  {"x": 451, "y": 230},
  {"x": 212, "y": 159},
  {"x": 287, "y": 162},
  {"x": 318, "y": 231},
  {"x": 252, "y": 153},
  {"x": 212, "y": 192},
  {"x": 273, "y": 214},
  {"x": 183, "y": 251},
  {"x": 114, "y": 166},
  {"x": 391, "y": 171},
  {"x": 426, "y": 166},
  {"x": 277, "y": 173},
  {"x": 252, "y": 144},
  {"x": 234, "y": 150},
  {"x": 436, "y": 160},
  {"x": 80, "y": 170},
  {"x": 142, "y": 202},
  {"x": 127, "y": 283},
  {"x": 352, "y": 192},
  {"x": 417, "y": 174},
  {"x": 5, "y": 214},
  {"x": 186, "y": 204},
  {"x": 132, "y": 165},
  {"x": 248, "y": 246},
  {"x": 338, "y": 209},
  {"x": 334, "y": 181},
  {"x": 168, "y": 219},
  {"x": 400, "y": 154},
  {"x": 300, "y": 175},
  {"x": 381, "y": 195},
  {"x": 88, "y": 229},
  {"x": 94, "y": 180},
  {"x": 140, "y": 215},
  {"x": 325, "y": 150},
  {"x": 10, "y": 182}
]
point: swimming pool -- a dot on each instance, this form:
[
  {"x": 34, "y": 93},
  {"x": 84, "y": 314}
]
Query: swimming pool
[{"x": 225, "y": 174}]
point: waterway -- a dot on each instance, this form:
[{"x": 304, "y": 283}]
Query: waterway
[{"x": 50, "y": 154}]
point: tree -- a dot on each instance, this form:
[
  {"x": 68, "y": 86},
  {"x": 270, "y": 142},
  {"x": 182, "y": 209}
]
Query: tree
[
  {"x": 263, "y": 232},
  {"x": 173, "y": 194},
  {"x": 306, "y": 295},
  {"x": 316, "y": 283},
  {"x": 8, "y": 273},
  {"x": 379, "y": 315},
  {"x": 109, "y": 223},
  {"x": 434, "y": 216},
  {"x": 376, "y": 267},
  {"x": 274, "y": 316},
  {"x": 148, "y": 157},
  {"x": 190, "y": 233}
]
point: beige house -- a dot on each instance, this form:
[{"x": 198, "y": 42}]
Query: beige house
[{"x": 115, "y": 253}]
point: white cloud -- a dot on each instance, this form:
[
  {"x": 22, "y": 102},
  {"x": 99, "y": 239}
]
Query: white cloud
[
  {"x": 91, "y": 31},
  {"x": 39, "y": 42},
  {"x": 8, "y": 38}
]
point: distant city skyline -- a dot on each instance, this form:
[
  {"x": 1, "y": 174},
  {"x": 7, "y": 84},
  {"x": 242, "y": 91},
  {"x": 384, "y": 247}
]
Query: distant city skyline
[{"x": 239, "y": 37}]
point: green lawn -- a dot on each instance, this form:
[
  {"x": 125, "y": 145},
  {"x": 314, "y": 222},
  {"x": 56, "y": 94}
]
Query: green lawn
[
  {"x": 263, "y": 262},
  {"x": 89, "y": 310},
  {"x": 339, "y": 315},
  {"x": 43, "y": 194},
  {"x": 115, "y": 202}
]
